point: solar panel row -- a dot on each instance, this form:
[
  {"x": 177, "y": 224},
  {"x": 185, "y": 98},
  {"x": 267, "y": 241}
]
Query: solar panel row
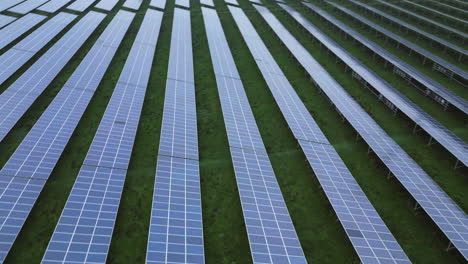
[
  {"x": 24, "y": 175},
  {"x": 107, "y": 4},
  {"x": 449, "y": 7},
  {"x": 426, "y": 20},
  {"x": 445, "y": 137},
  {"x": 271, "y": 233},
  {"x": 433, "y": 200},
  {"x": 368, "y": 233},
  {"x": 27, "y": 6},
  {"x": 176, "y": 229},
  {"x": 19, "y": 54},
  {"x": 447, "y": 45},
  {"x": 84, "y": 230},
  {"x": 81, "y": 5},
  {"x": 5, "y": 4},
  {"x": 417, "y": 78},
  {"x": 439, "y": 63},
  {"x": 19, "y": 96},
  {"x": 5, "y": 20},
  {"x": 53, "y": 5},
  {"x": 13, "y": 31}
]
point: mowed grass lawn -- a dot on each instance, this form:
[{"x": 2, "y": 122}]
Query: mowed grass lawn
[{"x": 225, "y": 238}]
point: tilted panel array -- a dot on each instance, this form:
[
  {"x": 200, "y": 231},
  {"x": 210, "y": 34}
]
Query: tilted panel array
[
  {"x": 81, "y": 5},
  {"x": 19, "y": 54},
  {"x": 369, "y": 235},
  {"x": 445, "y": 137},
  {"x": 84, "y": 230},
  {"x": 402, "y": 68},
  {"x": 20, "y": 95},
  {"x": 176, "y": 229},
  {"x": 5, "y": 4},
  {"x": 445, "y": 213},
  {"x": 107, "y": 4},
  {"x": 14, "y": 30},
  {"x": 53, "y": 5},
  {"x": 27, "y": 6},
  {"x": 437, "y": 12},
  {"x": 5, "y": 20},
  {"x": 270, "y": 230},
  {"x": 459, "y": 50},
  {"x": 24, "y": 175},
  {"x": 422, "y": 18},
  {"x": 439, "y": 63}
]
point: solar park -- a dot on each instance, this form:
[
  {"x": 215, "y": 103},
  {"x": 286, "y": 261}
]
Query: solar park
[{"x": 233, "y": 131}]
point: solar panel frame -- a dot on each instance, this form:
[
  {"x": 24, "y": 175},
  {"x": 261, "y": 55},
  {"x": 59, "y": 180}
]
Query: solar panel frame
[{"x": 405, "y": 170}]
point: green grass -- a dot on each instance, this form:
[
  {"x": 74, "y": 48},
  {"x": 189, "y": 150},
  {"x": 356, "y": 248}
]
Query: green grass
[{"x": 225, "y": 237}]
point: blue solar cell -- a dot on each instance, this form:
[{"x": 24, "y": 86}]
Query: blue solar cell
[
  {"x": 89, "y": 215},
  {"x": 81, "y": 5},
  {"x": 27, "y": 6},
  {"x": 176, "y": 229},
  {"x": 53, "y": 5},
  {"x": 34, "y": 159},
  {"x": 425, "y": 191},
  {"x": 272, "y": 237},
  {"x": 19, "y": 96},
  {"x": 5, "y": 20},
  {"x": 5, "y": 4}
]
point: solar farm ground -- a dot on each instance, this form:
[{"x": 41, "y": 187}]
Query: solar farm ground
[{"x": 225, "y": 239}]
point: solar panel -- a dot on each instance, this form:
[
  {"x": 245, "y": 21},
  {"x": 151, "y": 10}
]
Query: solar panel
[
  {"x": 36, "y": 156},
  {"x": 449, "y": 7},
  {"x": 176, "y": 229},
  {"x": 368, "y": 233},
  {"x": 439, "y": 64},
  {"x": 158, "y": 3},
  {"x": 5, "y": 4},
  {"x": 85, "y": 227},
  {"x": 133, "y": 4},
  {"x": 439, "y": 92},
  {"x": 184, "y": 3},
  {"x": 429, "y": 21},
  {"x": 5, "y": 20},
  {"x": 27, "y": 6},
  {"x": 445, "y": 213},
  {"x": 53, "y": 5},
  {"x": 13, "y": 31},
  {"x": 445, "y": 137},
  {"x": 18, "y": 55},
  {"x": 444, "y": 43},
  {"x": 81, "y": 5},
  {"x": 107, "y": 4},
  {"x": 232, "y": 2},
  {"x": 271, "y": 233},
  {"x": 207, "y": 2},
  {"x": 19, "y": 96}
]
